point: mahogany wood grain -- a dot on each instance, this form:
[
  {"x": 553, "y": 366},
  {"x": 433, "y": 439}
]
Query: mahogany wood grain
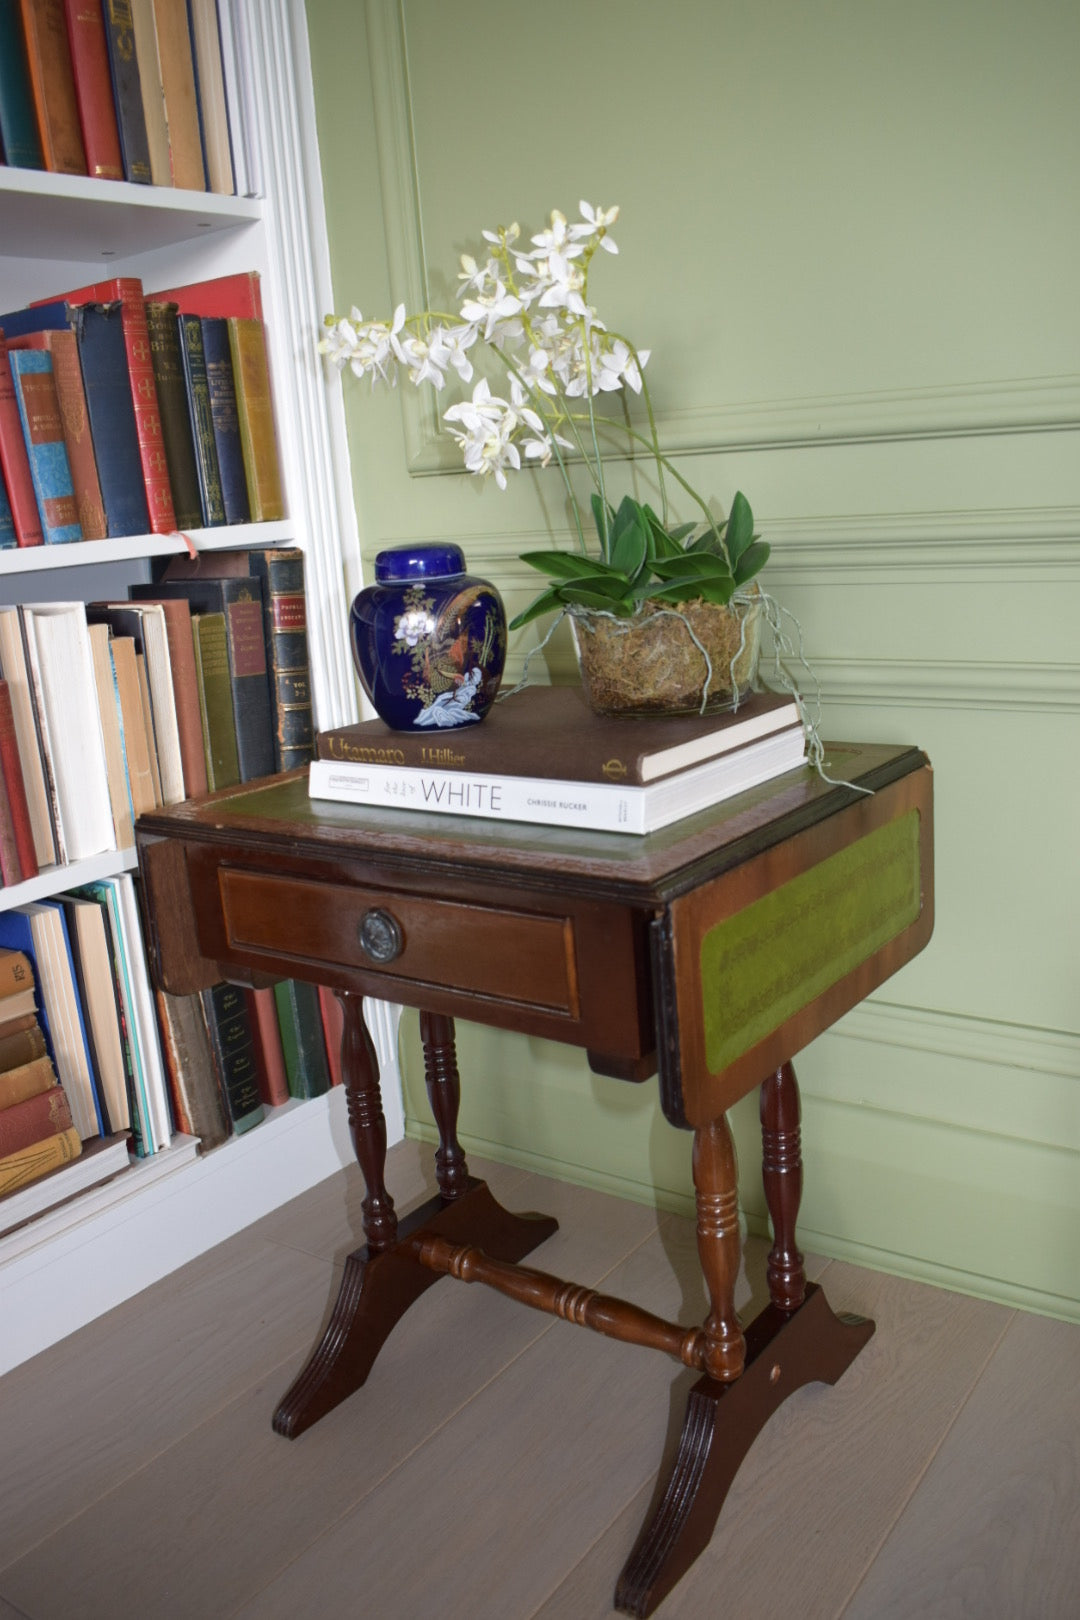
[
  {"x": 367, "y": 1124},
  {"x": 571, "y": 1302},
  {"x": 784, "y": 1351},
  {"x": 782, "y": 1174},
  {"x": 717, "y": 1196},
  {"x": 444, "y": 1094}
]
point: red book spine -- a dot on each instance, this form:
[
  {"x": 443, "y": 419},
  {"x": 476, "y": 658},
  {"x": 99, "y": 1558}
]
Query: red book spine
[
  {"x": 15, "y": 461},
  {"x": 333, "y": 1023},
  {"x": 273, "y": 1080},
  {"x": 33, "y": 1120},
  {"x": 93, "y": 88},
  {"x": 128, "y": 292},
  {"x": 15, "y": 789},
  {"x": 239, "y": 294}
]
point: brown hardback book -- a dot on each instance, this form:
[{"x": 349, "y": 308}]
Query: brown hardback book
[
  {"x": 181, "y": 103},
  {"x": 47, "y": 1113},
  {"x": 197, "y": 1100},
  {"x": 185, "y": 690},
  {"x": 211, "y": 80},
  {"x": 144, "y": 29},
  {"x": 16, "y": 976},
  {"x": 26, "y": 1165},
  {"x": 254, "y": 406},
  {"x": 28, "y": 1080},
  {"x": 14, "y": 786},
  {"x": 93, "y": 88},
  {"x": 136, "y": 743},
  {"x": 550, "y": 731},
  {"x": 52, "y": 83},
  {"x": 22, "y": 1045}
]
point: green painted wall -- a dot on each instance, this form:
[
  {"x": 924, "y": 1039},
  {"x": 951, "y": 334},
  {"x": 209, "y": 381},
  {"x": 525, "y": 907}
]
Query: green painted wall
[{"x": 849, "y": 235}]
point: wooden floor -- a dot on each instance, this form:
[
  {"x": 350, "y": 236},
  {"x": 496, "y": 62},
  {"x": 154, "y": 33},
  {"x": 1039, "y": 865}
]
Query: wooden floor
[{"x": 498, "y": 1463}]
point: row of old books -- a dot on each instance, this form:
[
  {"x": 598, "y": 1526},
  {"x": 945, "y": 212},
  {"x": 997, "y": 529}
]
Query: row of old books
[
  {"x": 198, "y": 681},
  {"x": 94, "y": 1063},
  {"x": 123, "y": 413},
  {"x": 543, "y": 756},
  {"x": 142, "y": 90}
]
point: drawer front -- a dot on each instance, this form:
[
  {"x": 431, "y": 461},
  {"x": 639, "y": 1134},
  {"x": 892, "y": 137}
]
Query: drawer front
[{"x": 515, "y": 957}]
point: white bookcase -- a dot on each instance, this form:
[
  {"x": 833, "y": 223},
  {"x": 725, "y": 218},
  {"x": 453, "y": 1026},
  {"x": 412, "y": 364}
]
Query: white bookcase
[{"x": 57, "y": 231}]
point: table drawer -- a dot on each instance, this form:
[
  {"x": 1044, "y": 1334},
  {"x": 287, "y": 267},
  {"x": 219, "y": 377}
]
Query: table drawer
[{"x": 519, "y": 957}]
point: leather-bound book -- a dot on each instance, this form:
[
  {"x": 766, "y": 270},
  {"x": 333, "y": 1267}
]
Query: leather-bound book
[
  {"x": 239, "y": 293},
  {"x": 52, "y": 85},
  {"x": 178, "y": 84},
  {"x": 18, "y": 124},
  {"x": 127, "y": 92},
  {"x": 201, "y": 420},
  {"x": 31, "y": 1120},
  {"x": 215, "y": 700},
  {"x": 333, "y": 1023},
  {"x": 93, "y": 88},
  {"x": 43, "y": 434},
  {"x": 217, "y": 353},
  {"x": 240, "y": 600},
  {"x": 27, "y": 1076},
  {"x": 254, "y": 403},
  {"x": 62, "y": 344},
  {"x": 14, "y": 790},
  {"x": 196, "y": 1095},
  {"x": 302, "y": 1039},
  {"x": 30, "y": 1163},
  {"x": 173, "y": 405},
  {"x": 144, "y": 28},
  {"x": 14, "y": 461},
  {"x": 128, "y": 293},
  {"x": 281, "y": 571},
  {"x": 11, "y": 871},
  {"x": 226, "y": 1016}
]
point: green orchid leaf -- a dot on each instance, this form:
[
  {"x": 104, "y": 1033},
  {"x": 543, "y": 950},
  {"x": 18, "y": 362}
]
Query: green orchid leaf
[
  {"x": 664, "y": 543},
  {"x": 577, "y": 595},
  {"x": 631, "y": 547},
  {"x": 562, "y": 564},
  {"x": 710, "y": 542},
  {"x": 752, "y": 561},
  {"x": 608, "y": 583},
  {"x": 546, "y": 602},
  {"x": 740, "y": 527},
  {"x": 603, "y": 529},
  {"x": 692, "y": 565},
  {"x": 680, "y": 532},
  {"x": 719, "y": 591}
]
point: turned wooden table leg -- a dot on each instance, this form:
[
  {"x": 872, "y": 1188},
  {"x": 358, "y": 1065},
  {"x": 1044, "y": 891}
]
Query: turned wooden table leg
[
  {"x": 444, "y": 1094},
  {"x": 782, "y": 1173},
  {"x": 716, "y": 1187},
  {"x": 367, "y": 1124}
]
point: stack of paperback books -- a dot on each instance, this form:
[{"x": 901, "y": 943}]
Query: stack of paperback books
[{"x": 543, "y": 756}]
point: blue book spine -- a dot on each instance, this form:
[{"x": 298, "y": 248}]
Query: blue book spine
[
  {"x": 91, "y": 1065},
  {"x": 226, "y": 422},
  {"x": 49, "y": 317},
  {"x": 43, "y": 430},
  {"x": 103, "y": 357},
  {"x": 16, "y": 934},
  {"x": 8, "y": 538}
]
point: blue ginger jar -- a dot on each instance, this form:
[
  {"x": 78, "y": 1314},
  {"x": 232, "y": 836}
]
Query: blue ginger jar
[{"x": 428, "y": 639}]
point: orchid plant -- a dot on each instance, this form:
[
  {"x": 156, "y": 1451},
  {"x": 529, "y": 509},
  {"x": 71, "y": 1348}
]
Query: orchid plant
[{"x": 528, "y": 306}]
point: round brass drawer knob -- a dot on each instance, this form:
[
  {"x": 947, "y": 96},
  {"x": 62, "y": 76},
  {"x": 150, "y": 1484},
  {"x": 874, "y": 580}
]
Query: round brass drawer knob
[{"x": 381, "y": 938}]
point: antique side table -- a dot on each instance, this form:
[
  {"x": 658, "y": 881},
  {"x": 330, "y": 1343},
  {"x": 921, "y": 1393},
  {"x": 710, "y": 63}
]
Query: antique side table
[{"x": 708, "y": 954}]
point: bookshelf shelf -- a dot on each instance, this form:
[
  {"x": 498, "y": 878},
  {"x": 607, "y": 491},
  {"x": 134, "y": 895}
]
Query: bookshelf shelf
[
  {"x": 135, "y": 547},
  {"x": 74, "y": 219},
  {"x": 52, "y": 879}
]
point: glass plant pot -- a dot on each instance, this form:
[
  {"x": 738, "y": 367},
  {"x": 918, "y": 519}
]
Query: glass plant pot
[
  {"x": 656, "y": 663},
  {"x": 428, "y": 639}
]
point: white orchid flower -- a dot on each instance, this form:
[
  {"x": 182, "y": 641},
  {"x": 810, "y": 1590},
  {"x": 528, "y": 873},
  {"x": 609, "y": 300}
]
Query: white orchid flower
[{"x": 595, "y": 223}]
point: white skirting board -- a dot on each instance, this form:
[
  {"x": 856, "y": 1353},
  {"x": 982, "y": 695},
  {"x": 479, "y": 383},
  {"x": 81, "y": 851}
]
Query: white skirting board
[{"x": 53, "y": 1282}]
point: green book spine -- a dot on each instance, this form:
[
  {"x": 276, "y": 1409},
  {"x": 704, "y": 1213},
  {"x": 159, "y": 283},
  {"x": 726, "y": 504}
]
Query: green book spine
[
  {"x": 200, "y": 417},
  {"x": 233, "y": 1045},
  {"x": 18, "y": 126},
  {"x": 287, "y": 659},
  {"x": 173, "y": 406},
  {"x": 215, "y": 700},
  {"x": 302, "y": 1038}
]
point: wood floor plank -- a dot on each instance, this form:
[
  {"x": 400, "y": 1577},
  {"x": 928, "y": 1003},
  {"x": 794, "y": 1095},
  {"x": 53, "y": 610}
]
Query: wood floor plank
[
  {"x": 530, "y": 1472},
  {"x": 97, "y": 1406},
  {"x": 993, "y": 1530},
  {"x": 826, "y": 1480},
  {"x": 231, "y": 1502}
]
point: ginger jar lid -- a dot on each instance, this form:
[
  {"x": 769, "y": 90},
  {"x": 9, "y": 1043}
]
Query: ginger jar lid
[{"x": 435, "y": 561}]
